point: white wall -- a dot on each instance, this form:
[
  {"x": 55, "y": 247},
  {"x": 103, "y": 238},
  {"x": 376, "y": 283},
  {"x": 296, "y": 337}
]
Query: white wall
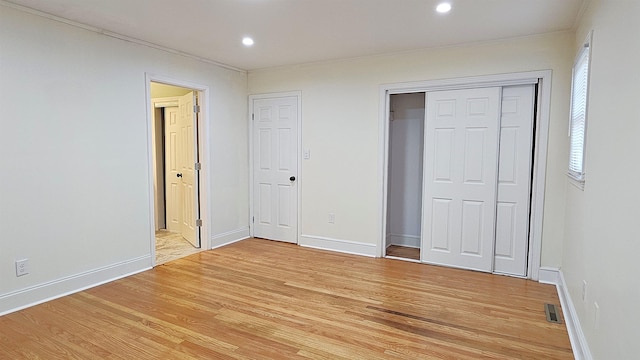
[
  {"x": 75, "y": 184},
  {"x": 406, "y": 145},
  {"x": 340, "y": 126},
  {"x": 602, "y": 241}
]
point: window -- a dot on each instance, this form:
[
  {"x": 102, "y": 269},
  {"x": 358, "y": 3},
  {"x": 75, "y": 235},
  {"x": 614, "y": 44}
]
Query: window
[{"x": 579, "y": 97}]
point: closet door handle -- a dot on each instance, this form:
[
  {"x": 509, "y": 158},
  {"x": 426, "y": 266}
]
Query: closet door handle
[
  {"x": 179, "y": 174},
  {"x": 293, "y": 178}
]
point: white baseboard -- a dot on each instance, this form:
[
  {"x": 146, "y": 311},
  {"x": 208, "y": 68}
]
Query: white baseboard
[
  {"x": 37, "y": 294},
  {"x": 229, "y": 237},
  {"x": 576, "y": 335},
  {"x": 403, "y": 240},
  {"x": 547, "y": 275},
  {"x": 343, "y": 246}
]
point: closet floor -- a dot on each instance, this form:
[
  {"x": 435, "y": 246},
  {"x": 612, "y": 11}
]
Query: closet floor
[{"x": 403, "y": 252}]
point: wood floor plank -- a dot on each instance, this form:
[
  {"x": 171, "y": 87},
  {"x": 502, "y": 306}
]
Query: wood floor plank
[
  {"x": 259, "y": 299},
  {"x": 403, "y": 252}
]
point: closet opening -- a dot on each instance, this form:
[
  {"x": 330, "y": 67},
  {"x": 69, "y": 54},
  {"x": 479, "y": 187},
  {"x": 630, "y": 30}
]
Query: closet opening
[
  {"x": 459, "y": 176},
  {"x": 406, "y": 149},
  {"x": 479, "y": 171}
]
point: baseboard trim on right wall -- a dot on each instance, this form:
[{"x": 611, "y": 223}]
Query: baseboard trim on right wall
[{"x": 579, "y": 344}]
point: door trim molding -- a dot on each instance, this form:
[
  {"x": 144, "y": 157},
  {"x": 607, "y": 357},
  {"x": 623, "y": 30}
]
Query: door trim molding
[
  {"x": 204, "y": 151},
  {"x": 543, "y": 79},
  {"x": 298, "y": 96}
]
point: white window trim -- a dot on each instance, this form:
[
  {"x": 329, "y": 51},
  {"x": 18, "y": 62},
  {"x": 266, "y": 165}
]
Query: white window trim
[{"x": 578, "y": 175}]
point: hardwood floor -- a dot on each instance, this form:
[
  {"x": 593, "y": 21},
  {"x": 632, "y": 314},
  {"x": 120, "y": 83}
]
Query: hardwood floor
[
  {"x": 258, "y": 299},
  {"x": 403, "y": 252}
]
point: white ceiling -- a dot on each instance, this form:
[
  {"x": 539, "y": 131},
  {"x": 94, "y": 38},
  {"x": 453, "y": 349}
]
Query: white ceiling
[{"x": 301, "y": 31}]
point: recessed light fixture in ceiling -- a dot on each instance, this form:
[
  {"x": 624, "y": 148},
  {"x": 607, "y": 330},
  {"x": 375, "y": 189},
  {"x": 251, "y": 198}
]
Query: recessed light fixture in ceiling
[
  {"x": 443, "y": 8},
  {"x": 247, "y": 41}
]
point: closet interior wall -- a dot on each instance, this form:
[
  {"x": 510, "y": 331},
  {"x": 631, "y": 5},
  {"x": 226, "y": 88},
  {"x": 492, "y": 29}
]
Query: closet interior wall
[{"x": 406, "y": 148}]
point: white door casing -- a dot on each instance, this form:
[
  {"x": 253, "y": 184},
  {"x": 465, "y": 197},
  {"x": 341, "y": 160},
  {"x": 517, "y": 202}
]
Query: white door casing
[
  {"x": 204, "y": 153},
  {"x": 460, "y": 177},
  {"x": 172, "y": 182},
  {"x": 187, "y": 174},
  {"x": 514, "y": 180},
  {"x": 275, "y": 168}
]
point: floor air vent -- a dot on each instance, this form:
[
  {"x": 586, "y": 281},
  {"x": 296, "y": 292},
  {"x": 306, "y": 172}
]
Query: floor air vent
[{"x": 553, "y": 315}]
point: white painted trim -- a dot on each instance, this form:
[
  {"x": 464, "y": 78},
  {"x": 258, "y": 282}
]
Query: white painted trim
[
  {"x": 204, "y": 124},
  {"x": 579, "y": 343},
  {"x": 38, "y": 294},
  {"x": 383, "y": 167},
  {"x": 543, "y": 78},
  {"x": 229, "y": 237},
  {"x": 471, "y": 82},
  {"x": 539, "y": 173},
  {"x": 403, "y": 259},
  {"x": 116, "y": 35},
  {"x": 338, "y": 245},
  {"x": 548, "y": 275},
  {"x": 164, "y": 104},
  {"x": 299, "y": 179},
  {"x": 412, "y": 241}
]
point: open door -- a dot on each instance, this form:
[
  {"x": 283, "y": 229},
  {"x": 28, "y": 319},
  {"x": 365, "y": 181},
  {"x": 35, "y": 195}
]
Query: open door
[{"x": 188, "y": 173}]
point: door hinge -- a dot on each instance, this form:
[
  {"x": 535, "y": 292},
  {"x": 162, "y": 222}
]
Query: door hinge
[
  {"x": 196, "y": 108},
  {"x": 199, "y": 222},
  {"x": 197, "y": 166},
  {"x": 253, "y": 116},
  {"x": 253, "y": 219}
]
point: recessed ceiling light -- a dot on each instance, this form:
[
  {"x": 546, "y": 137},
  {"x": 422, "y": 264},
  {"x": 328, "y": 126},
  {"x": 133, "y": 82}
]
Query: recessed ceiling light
[
  {"x": 443, "y": 8},
  {"x": 247, "y": 41}
]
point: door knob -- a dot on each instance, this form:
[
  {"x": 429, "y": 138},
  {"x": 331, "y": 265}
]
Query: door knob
[
  {"x": 293, "y": 178},
  {"x": 179, "y": 174}
]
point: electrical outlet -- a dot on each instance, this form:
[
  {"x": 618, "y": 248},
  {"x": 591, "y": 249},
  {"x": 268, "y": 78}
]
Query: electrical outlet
[
  {"x": 22, "y": 267},
  {"x": 332, "y": 218},
  {"x": 584, "y": 291}
]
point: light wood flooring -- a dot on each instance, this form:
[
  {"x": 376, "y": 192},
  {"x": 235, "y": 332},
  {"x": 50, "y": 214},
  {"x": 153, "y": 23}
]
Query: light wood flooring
[
  {"x": 259, "y": 299},
  {"x": 403, "y": 252},
  {"x": 171, "y": 246}
]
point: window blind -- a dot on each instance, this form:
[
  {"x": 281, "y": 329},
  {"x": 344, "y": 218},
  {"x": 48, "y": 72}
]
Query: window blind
[{"x": 579, "y": 114}]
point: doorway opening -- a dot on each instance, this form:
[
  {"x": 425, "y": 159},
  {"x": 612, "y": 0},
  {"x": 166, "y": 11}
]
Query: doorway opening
[
  {"x": 176, "y": 171},
  {"x": 404, "y": 186}
]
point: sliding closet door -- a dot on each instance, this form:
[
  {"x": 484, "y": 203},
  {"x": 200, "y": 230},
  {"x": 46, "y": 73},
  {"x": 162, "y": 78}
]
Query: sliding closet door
[
  {"x": 514, "y": 180},
  {"x": 460, "y": 177}
]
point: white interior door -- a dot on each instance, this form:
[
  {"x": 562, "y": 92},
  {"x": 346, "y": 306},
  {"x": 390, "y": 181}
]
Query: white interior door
[
  {"x": 514, "y": 180},
  {"x": 187, "y": 174},
  {"x": 172, "y": 182},
  {"x": 460, "y": 177},
  {"x": 275, "y": 168}
]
